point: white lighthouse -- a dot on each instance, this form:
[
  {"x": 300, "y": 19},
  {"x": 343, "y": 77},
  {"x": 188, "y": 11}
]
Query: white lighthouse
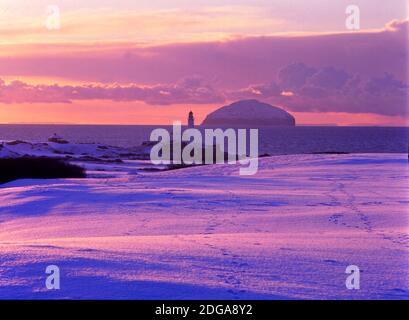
[{"x": 191, "y": 120}]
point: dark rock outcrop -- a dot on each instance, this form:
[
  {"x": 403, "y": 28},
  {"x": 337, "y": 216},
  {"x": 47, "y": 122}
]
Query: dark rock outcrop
[{"x": 249, "y": 113}]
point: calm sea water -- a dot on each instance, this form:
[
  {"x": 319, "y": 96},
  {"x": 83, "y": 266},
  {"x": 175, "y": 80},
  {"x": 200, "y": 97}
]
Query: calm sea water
[{"x": 274, "y": 140}]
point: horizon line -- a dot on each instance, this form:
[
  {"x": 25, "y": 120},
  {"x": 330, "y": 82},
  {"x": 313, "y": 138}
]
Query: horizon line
[{"x": 170, "y": 124}]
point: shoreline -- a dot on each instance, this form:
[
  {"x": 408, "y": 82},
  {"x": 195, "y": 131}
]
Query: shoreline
[{"x": 143, "y": 165}]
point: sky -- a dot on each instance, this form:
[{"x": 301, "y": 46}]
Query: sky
[{"x": 151, "y": 62}]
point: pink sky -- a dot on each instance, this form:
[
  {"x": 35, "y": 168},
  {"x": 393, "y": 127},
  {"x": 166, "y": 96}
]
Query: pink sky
[{"x": 150, "y": 63}]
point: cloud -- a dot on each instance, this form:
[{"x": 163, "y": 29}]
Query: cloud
[
  {"x": 357, "y": 72},
  {"x": 301, "y": 88},
  {"x": 329, "y": 78},
  {"x": 190, "y": 90},
  {"x": 144, "y": 26},
  {"x": 398, "y": 26},
  {"x": 326, "y": 89},
  {"x": 294, "y": 76},
  {"x": 235, "y": 63}
]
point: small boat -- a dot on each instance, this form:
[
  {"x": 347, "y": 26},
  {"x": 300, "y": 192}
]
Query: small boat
[{"x": 57, "y": 139}]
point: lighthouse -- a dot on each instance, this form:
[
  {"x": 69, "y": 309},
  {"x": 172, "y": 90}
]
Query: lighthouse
[{"x": 190, "y": 120}]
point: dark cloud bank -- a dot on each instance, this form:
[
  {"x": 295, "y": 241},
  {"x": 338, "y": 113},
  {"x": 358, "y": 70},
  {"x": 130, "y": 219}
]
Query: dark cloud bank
[{"x": 352, "y": 72}]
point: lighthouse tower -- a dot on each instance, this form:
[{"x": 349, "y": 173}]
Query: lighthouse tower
[{"x": 191, "y": 120}]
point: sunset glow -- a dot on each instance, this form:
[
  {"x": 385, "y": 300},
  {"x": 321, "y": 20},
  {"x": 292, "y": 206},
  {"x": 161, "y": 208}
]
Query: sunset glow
[{"x": 128, "y": 62}]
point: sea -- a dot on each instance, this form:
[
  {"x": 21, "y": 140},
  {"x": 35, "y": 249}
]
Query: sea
[{"x": 272, "y": 140}]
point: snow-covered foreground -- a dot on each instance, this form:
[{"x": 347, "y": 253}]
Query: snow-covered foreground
[{"x": 205, "y": 232}]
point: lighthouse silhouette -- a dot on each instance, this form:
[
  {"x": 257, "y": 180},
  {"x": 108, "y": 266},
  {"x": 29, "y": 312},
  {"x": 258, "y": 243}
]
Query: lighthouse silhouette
[{"x": 191, "y": 120}]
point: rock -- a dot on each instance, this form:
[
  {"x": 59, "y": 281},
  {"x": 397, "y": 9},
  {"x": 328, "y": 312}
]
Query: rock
[{"x": 249, "y": 113}]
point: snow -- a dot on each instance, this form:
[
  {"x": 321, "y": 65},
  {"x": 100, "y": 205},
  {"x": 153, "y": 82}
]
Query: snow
[
  {"x": 76, "y": 151},
  {"x": 289, "y": 232}
]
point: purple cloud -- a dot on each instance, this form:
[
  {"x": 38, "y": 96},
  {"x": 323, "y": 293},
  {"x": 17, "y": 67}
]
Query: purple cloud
[
  {"x": 329, "y": 89},
  {"x": 324, "y": 89},
  {"x": 294, "y": 76},
  {"x": 229, "y": 64},
  {"x": 357, "y": 72},
  {"x": 191, "y": 90}
]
